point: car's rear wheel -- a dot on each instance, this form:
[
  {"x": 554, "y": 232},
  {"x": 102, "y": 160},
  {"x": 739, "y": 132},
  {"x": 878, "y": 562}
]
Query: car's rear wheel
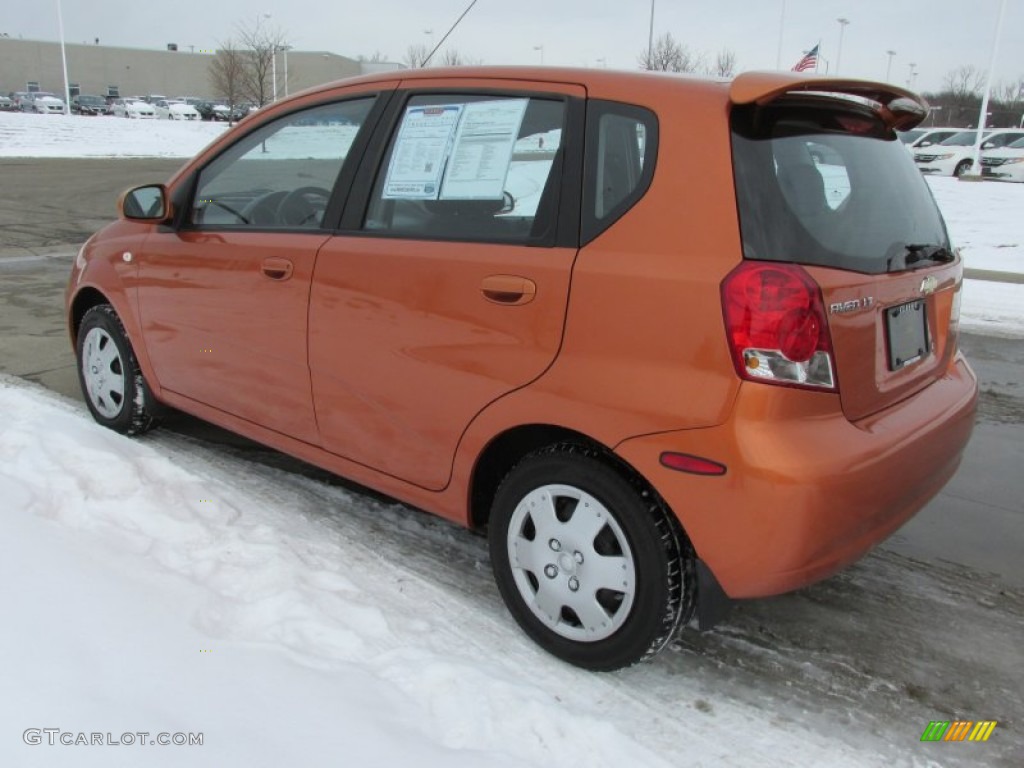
[
  {"x": 109, "y": 374},
  {"x": 589, "y": 562}
]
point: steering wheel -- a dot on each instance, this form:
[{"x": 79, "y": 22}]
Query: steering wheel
[
  {"x": 303, "y": 207},
  {"x": 261, "y": 211}
]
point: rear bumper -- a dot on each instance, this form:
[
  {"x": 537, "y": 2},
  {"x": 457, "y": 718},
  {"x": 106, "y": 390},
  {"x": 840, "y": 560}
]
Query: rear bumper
[{"x": 807, "y": 492}]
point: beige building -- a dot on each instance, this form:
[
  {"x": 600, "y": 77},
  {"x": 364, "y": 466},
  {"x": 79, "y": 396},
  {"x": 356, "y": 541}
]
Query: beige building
[{"x": 98, "y": 69}]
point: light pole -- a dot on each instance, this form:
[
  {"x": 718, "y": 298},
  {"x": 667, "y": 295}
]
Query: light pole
[
  {"x": 650, "y": 36},
  {"x": 984, "y": 113},
  {"x": 257, "y": 45},
  {"x": 911, "y": 75},
  {"x": 541, "y": 49},
  {"x": 839, "y": 51},
  {"x": 273, "y": 70},
  {"x": 64, "y": 61},
  {"x": 284, "y": 50},
  {"x": 888, "y": 67},
  {"x": 782, "y": 22}
]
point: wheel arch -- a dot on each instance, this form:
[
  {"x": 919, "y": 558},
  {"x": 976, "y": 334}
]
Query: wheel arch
[
  {"x": 506, "y": 449},
  {"x": 503, "y": 452},
  {"x": 84, "y": 300},
  {"x": 89, "y": 296}
]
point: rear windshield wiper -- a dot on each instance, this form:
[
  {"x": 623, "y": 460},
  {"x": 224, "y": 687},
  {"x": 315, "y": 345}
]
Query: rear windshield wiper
[{"x": 918, "y": 253}]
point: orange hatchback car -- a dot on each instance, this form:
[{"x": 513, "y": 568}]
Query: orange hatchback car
[{"x": 669, "y": 341}]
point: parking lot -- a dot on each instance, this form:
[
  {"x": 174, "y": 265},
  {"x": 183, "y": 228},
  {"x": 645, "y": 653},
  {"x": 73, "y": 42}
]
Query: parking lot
[{"x": 926, "y": 628}]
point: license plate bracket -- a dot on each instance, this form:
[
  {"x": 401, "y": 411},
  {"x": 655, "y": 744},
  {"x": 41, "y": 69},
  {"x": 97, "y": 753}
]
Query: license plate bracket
[{"x": 907, "y": 333}]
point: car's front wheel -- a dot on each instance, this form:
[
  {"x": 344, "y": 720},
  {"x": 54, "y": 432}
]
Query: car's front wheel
[
  {"x": 109, "y": 374},
  {"x": 589, "y": 562}
]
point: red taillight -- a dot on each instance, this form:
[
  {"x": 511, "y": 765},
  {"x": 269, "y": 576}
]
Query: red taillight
[{"x": 775, "y": 320}]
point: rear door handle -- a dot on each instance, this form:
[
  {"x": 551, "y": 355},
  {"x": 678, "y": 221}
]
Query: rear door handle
[
  {"x": 277, "y": 268},
  {"x": 508, "y": 289}
]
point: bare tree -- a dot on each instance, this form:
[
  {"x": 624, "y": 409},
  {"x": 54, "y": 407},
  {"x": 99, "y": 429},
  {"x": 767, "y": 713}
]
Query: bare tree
[
  {"x": 964, "y": 82},
  {"x": 724, "y": 65},
  {"x": 452, "y": 58},
  {"x": 261, "y": 44},
  {"x": 669, "y": 55},
  {"x": 376, "y": 58},
  {"x": 416, "y": 56},
  {"x": 227, "y": 74},
  {"x": 1011, "y": 94},
  {"x": 960, "y": 93}
]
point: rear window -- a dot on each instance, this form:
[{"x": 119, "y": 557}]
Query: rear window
[{"x": 823, "y": 186}]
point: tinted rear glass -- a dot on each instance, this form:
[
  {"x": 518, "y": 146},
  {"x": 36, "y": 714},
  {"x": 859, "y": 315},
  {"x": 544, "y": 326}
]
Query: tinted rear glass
[{"x": 827, "y": 186}]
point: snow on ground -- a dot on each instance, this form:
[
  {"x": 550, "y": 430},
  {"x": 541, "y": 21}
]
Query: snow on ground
[
  {"x": 23, "y": 134},
  {"x": 986, "y": 219},
  {"x": 160, "y": 586}
]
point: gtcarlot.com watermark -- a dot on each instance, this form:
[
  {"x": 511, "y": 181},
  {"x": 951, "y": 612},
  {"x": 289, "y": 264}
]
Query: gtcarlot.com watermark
[{"x": 55, "y": 737}]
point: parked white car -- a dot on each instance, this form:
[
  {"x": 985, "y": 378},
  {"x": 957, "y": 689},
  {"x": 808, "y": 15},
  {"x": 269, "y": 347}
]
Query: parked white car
[
  {"x": 138, "y": 110},
  {"x": 170, "y": 109},
  {"x": 953, "y": 157},
  {"x": 919, "y": 138},
  {"x": 1006, "y": 164},
  {"x": 47, "y": 104}
]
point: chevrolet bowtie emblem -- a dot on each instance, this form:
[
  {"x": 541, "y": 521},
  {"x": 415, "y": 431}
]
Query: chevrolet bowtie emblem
[{"x": 928, "y": 285}]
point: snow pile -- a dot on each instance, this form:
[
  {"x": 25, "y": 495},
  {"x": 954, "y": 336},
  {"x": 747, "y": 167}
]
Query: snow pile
[{"x": 156, "y": 585}]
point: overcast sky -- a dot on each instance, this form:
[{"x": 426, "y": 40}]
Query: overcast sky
[{"x": 935, "y": 36}]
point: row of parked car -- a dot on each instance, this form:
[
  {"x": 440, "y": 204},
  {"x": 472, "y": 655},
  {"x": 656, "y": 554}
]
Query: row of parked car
[
  {"x": 138, "y": 107},
  {"x": 950, "y": 152}
]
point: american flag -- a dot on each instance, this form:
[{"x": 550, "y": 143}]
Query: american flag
[{"x": 809, "y": 61}]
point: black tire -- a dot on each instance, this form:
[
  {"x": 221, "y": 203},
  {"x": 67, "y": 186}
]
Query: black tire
[
  {"x": 962, "y": 168},
  {"x": 624, "y": 525},
  {"x": 112, "y": 384}
]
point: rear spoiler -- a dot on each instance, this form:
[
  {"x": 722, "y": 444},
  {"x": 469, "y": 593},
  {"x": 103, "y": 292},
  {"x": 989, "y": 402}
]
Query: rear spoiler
[{"x": 900, "y": 109}]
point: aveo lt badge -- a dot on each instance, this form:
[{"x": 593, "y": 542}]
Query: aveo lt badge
[{"x": 843, "y": 307}]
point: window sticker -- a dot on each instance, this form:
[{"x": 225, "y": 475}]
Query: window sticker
[
  {"x": 482, "y": 151},
  {"x": 423, "y": 144}
]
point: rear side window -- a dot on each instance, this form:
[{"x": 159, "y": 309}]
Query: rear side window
[
  {"x": 475, "y": 167},
  {"x": 622, "y": 142},
  {"x": 819, "y": 185}
]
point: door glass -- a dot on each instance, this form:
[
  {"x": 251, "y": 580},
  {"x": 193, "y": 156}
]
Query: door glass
[
  {"x": 471, "y": 168},
  {"x": 280, "y": 176}
]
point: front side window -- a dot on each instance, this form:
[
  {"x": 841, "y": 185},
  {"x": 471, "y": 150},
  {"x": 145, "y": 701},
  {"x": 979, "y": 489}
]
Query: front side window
[
  {"x": 280, "y": 176},
  {"x": 460, "y": 167}
]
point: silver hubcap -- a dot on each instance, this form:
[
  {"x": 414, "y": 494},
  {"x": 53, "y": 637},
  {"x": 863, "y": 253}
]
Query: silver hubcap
[
  {"x": 571, "y": 562},
  {"x": 103, "y": 373}
]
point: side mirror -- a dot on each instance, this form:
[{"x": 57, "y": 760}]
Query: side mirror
[
  {"x": 988, "y": 145},
  {"x": 147, "y": 203},
  {"x": 924, "y": 144}
]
